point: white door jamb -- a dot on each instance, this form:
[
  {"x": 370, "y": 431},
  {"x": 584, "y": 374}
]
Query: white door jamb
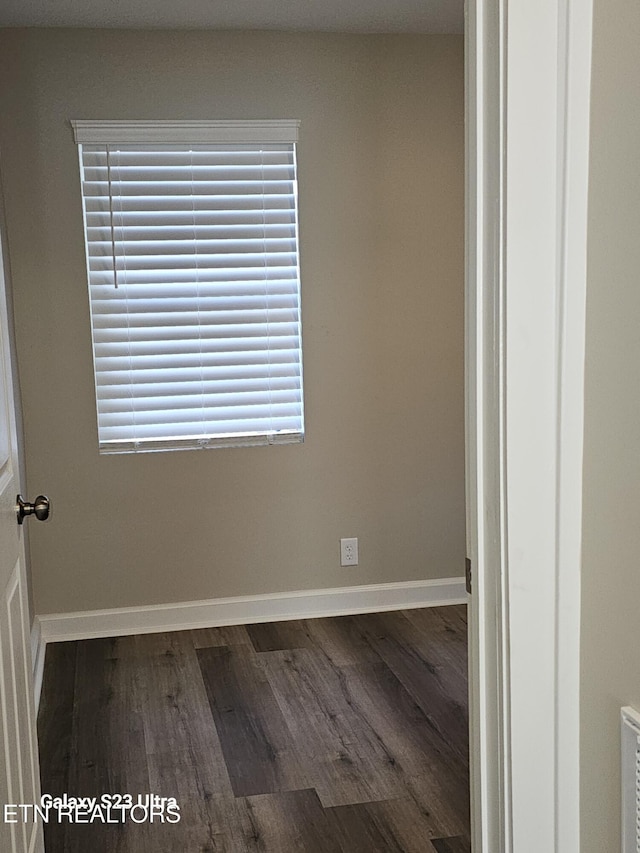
[{"x": 528, "y": 89}]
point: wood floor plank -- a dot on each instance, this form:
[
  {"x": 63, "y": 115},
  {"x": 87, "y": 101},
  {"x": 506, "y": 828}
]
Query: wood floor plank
[
  {"x": 273, "y": 636},
  {"x": 55, "y": 722},
  {"x": 278, "y": 823},
  {"x": 289, "y": 822},
  {"x": 347, "y": 762},
  {"x": 448, "y": 623},
  {"x": 433, "y": 775},
  {"x": 391, "y": 826},
  {"x": 229, "y": 635},
  {"x": 444, "y": 636},
  {"x": 108, "y": 745},
  {"x": 112, "y": 648},
  {"x": 451, "y": 845},
  {"x": 341, "y": 641},
  {"x": 259, "y": 751},
  {"x": 206, "y": 816},
  {"x": 176, "y": 714},
  {"x": 107, "y": 723},
  {"x": 439, "y": 687},
  {"x": 358, "y": 832},
  {"x": 455, "y": 615},
  {"x": 338, "y": 638},
  {"x": 55, "y": 716}
]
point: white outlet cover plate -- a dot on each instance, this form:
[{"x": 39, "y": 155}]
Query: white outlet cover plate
[{"x": 349, "y": 552}]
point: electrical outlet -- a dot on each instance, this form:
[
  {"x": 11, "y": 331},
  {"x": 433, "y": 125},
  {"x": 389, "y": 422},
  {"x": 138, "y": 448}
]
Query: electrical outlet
[{"x": 348, "y": 552}]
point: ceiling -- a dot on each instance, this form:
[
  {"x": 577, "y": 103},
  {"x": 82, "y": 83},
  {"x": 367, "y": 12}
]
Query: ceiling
[{"x": 359, "y": 16}]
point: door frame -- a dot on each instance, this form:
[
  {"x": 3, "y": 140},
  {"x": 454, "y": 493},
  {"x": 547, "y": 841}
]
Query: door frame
[{"x": 528, "y": 97}]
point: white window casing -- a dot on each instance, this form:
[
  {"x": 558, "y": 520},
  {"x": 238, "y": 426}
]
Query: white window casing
[{"x": 191, "y": 234}]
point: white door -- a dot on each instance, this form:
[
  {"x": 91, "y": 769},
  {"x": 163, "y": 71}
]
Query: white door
[{"x": 19, "y": 773}]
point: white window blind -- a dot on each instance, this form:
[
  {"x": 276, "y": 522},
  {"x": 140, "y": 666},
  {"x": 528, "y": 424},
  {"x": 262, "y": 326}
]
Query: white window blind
[{"x": 192, "y": 258}]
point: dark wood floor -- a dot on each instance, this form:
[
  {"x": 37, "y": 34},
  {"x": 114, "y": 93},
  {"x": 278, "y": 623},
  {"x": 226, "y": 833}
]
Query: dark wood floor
[{"x": 343, "y": 735}]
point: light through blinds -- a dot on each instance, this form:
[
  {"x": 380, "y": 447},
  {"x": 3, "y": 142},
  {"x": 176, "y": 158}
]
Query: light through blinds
[{"x": 193, "y": 270}]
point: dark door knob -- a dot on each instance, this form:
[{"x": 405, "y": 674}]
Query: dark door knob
[{"x": 41, "y": 508}]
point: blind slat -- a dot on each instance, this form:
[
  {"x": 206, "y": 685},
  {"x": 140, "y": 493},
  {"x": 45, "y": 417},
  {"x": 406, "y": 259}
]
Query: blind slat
[
  {"x": 145, "y": 354},
  {"x": 189, "y": 406},
  {"x": 206, "y": 275},
  {"x": 219, "y": 375},
  {"x": 207, "y": 429},
  {"x": 236, "y": 322},
  {"x": 126, "y": 248},
  {"x": 239, "y": 306},
  {"x": 185, "y": 388}
]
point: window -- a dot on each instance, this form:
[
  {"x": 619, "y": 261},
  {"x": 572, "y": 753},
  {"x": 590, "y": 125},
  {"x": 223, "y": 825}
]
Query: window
[{"x": 191, "y": 238}]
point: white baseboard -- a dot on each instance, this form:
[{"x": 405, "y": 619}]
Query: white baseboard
[
  {"x": 272, "y": 607},
  {"x": 38, "y": 651}
]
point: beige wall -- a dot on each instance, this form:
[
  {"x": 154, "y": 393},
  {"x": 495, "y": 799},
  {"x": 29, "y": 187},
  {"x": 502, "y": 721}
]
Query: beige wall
[
  {"x": 381, "y": 185},
  {"x": 611, "y": 538}
]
